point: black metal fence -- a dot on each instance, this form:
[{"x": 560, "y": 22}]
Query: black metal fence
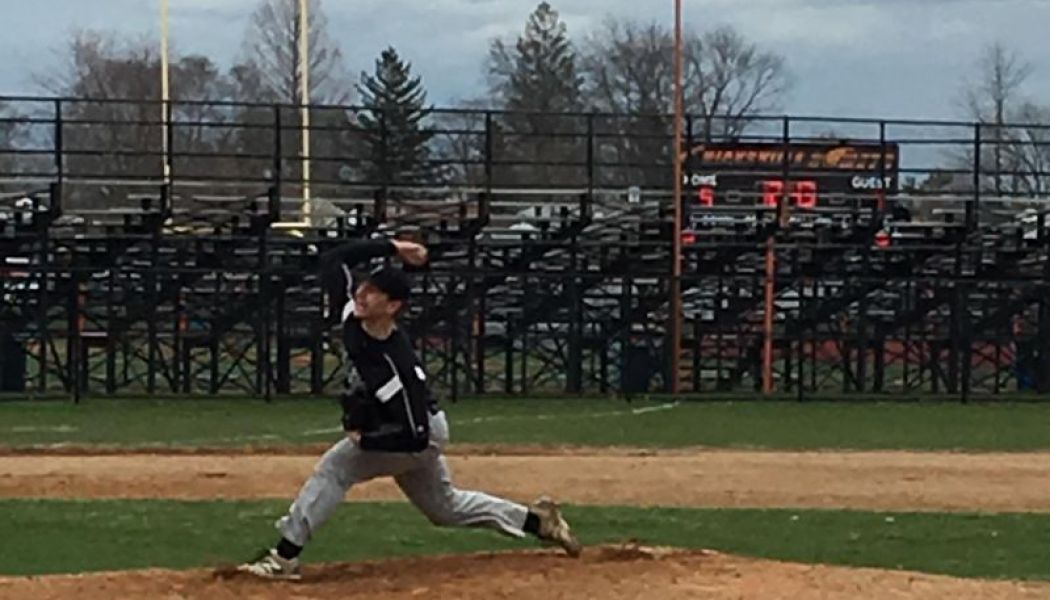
[{"x": 152, "y": 248}]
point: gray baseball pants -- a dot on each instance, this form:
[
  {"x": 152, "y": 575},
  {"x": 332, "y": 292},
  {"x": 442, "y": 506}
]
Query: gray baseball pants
[{"x": 424, "y": 478}]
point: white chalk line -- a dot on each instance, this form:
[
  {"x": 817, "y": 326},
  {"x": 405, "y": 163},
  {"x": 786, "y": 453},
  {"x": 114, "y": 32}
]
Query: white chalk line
[
  {"x": 472, "y": 421},
  {"x": 229, "y": 440},
  {"x": 43, "y": 429},
  {"x": 540, "y": 417}
]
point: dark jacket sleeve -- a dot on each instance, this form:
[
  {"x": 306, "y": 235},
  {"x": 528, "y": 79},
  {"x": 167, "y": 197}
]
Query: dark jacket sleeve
[{"x": 336, "y": 265}]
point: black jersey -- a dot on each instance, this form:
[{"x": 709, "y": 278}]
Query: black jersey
[{"x": 386, "y": 397}]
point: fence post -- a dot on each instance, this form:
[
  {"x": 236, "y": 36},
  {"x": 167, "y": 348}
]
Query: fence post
[
  {"x": 278, "y": 162},
  {"x": 73, "y": 334},
  {"x": 575, "y": 355},
  {"x": 591, "y": 167},
  {"x": 264, "y": 333},
  {"x": 966, "y": 339},
  {"x": 973, "y": 219},
  {"x": 169, "y": 150},
  {"x": 486, "y": 197},
  {"x": 800, "y": 374},
  {"x": 973, "y": 208},
  {"x": 1042, "y": 367},
  {"x": 213, "y": 344},
  {"x": 59, "y": 147},
  {"x": 284, "y": 344},
  {"x": 43, "y": 327},
  {"x": 478, "y": 326},
  {"x": 879, "y": 210},
  {"x": 113, "y": 331}
]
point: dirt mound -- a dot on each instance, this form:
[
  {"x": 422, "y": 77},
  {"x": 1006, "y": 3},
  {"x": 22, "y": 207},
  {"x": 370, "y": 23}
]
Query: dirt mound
[
  {"x": 724, "y": 478},
  {"x": 611, "y": 573}
]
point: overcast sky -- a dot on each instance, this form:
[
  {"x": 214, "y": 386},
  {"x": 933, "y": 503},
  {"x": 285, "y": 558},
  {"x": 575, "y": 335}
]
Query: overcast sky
[{"x": 877, "y": 58}]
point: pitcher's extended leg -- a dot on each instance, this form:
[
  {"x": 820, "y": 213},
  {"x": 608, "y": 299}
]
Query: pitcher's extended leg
[{"x": 430, "y": 489}]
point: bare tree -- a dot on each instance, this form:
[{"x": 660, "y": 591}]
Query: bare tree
[
  {"x": 90, "y": 60},
  {"x": 271, "y": 69},
  {"x": 117, "y": 134},
  {"x": 460, "y": 141},
  {"x": 991, "y": 96},
  {"x": 119, "y": 130},
  {"x": 271, "y": 48},
  {"x": 1028, "y": 152},
  {"x": 996, "y": 88},
  {"x": 629, "y": 69},
  {"x": 10, "y": 133},
  {"x": 729, "y": 80},
  {"x": 1013, "y": 130}
]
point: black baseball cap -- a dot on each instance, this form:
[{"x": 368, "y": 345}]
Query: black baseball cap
[{"x": 391, "y": 281}]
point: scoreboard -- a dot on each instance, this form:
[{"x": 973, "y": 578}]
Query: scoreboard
[{"x": 818, "y": 174}]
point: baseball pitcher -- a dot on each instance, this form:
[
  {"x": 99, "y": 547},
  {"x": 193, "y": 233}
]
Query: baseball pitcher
[{"x": 394, "y": 427}]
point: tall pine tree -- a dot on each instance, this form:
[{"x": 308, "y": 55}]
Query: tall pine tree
[
  {"x": 393, "y": 123},
  {"x": 538, "y": 74}
]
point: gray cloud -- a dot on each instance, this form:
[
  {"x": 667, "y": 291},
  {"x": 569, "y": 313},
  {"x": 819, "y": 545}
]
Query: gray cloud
[{"x": 896, "y": 58}]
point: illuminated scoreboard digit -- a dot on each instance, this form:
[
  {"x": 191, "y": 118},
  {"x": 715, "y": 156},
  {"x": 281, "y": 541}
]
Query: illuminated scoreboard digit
[{"x": 705, "y": 195}]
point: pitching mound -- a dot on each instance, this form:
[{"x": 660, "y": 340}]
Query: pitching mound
[{"x": 612, "y": 573}]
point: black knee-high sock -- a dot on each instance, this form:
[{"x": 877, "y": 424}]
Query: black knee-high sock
[
  {"x": 532, "y": 524},
  {"x": 287, "y": 550}
]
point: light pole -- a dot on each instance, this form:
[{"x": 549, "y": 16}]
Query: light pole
[
  {"x": 676, "y": 269},
  {"x": 304, "y": 95},
  {"x": 165, "y": 112}
]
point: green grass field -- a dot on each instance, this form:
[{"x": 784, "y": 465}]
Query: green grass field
[
  {"x": 69, "y": 536},
  {"x": 73, "y": 536},
  {"x": 583, "y": 422}
]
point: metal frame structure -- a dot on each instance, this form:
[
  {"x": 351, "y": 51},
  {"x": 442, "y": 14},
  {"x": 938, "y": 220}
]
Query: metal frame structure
[{"x": 119, "y": 276}]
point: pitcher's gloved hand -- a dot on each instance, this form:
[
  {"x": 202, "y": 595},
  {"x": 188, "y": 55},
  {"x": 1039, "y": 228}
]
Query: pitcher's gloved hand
[{"x": 355, "y": 413}]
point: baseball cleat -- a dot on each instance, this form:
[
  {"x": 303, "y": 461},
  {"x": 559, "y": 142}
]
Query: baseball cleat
[
  {"x": 272, "y": 566},
  {"x": 553, "y": 527}
]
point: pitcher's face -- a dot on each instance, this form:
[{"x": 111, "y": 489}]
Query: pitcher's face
[{"x": 370, "y": 303}]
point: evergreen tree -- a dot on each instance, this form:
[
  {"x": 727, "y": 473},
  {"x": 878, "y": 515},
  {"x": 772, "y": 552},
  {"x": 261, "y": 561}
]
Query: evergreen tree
[
  {"x": 393, "y": 122},
  {"x": 538, "y": 74}
]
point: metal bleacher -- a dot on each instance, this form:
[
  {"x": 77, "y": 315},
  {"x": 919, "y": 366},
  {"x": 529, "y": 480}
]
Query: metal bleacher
[{"x": 116, "y": 279}]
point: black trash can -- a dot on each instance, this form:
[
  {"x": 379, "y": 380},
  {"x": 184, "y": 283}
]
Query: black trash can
[
  {"x": 12, "y": 364},
  {"x": 639, "y": 366}
]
